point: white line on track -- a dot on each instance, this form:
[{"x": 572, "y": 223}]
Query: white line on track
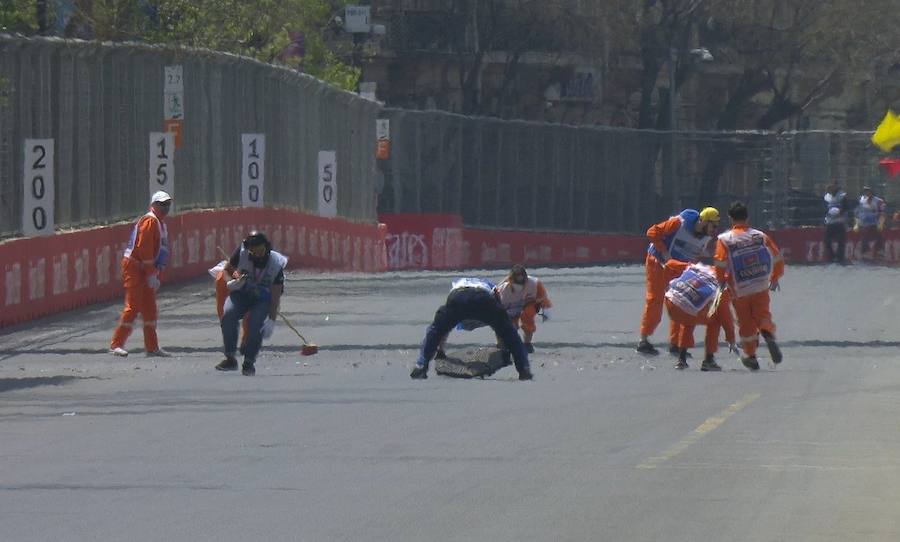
[{"x": 698, "y": 433}]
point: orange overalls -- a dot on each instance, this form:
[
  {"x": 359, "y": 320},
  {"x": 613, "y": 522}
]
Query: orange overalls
[
  {"x": 721, "y": 318},
  {"x": 530, "y": 296},
  {"x": 658, "y": 277},
  {"x": 746, "y": 247},
  {"x": 222, "y": 293},
  {"x": 138, "y": 264}
]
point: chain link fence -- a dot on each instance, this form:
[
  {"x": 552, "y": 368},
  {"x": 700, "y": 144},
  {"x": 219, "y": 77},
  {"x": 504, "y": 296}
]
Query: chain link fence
[
  {"x": 532, "y": 176},
  {"x": 99, "y": 102}
]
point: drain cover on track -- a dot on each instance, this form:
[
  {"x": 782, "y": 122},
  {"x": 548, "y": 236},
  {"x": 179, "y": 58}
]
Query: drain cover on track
[{"x": 474, "y": 362}]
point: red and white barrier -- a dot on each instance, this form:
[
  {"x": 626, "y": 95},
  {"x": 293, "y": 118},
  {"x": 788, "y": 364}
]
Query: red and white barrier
[
  {"x": 45, "y": 275},
  {"x": 806, "y": 245},
  {"x": 440, "y": 241}
]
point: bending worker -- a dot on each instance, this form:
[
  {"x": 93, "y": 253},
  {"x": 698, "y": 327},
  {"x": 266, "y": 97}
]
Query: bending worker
[
  {"x": 523, "y": 297},
  {"x": 144, "y": 258},
  {"x": 683, "y": 237},
  {"x": 257, "y": 283},
  {"x": 471, "y": 299},
  {"x": 689, "y": 300},
  {"x": 752, "y": 264}
]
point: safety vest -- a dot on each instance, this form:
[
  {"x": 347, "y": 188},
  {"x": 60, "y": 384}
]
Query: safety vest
[
  {"x": 749, "y": 260},
  {"x": 834, "y": 203},
  {"x": 514, "y": 297},
  {"x": 868, "y": 210},
  {"x": 470, "y": 282},
  {"x": 694, "y": 289},
  {"x": 260, "y": 280},
  {"x": 162, "y": 255},
  {"x": 683, "y": 244}
]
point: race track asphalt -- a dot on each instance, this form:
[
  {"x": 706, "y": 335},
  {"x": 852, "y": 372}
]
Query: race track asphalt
[{"x": 604, "y": 444}]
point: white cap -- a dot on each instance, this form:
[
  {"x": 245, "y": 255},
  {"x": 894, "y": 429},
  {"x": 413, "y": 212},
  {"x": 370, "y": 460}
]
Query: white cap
[{"x": 160, "y": 196}]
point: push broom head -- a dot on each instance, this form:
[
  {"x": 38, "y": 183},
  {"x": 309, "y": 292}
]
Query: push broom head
[{"x": 309, "y": 350}]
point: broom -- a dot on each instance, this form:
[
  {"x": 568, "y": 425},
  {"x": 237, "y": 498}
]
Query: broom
[{"x": 308, "y": 348}]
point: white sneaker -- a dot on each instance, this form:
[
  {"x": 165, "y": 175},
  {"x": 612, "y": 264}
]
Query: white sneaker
[
  {"x": 158, "y": 353},
  {"x": 118, "y": 351}
]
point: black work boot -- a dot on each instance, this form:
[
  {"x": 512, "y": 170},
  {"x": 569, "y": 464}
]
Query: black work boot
[
  {"x": 248, "y": 368},
  {"x": 227, "y": 364},
  {"x": 644, "y": 347},
  {"x": 750, "y": 362},
  {"x": 709, "y": 364},
  {"x": 682, "y": 363},
  {"x": 419, "y": 373},
  {"x": 774, "y": 351},
  {"x": 675, "y": 351},
  {"x": 525, "y": 374}
]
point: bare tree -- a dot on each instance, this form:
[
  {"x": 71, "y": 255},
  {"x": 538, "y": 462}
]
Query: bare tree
[{"x": 508, "y": 30}]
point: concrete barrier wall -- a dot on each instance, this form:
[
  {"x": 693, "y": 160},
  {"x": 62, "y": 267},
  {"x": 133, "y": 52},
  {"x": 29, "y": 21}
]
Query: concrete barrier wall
[
  {"x": 46, "y": 275},
  {"x": 440, "y": 241}
]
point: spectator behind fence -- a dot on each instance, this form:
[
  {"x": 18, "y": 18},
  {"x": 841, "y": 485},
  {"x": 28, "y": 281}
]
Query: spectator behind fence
[
  {"x": 870, "y": 216},
  {"x": 837, "y": 207}
]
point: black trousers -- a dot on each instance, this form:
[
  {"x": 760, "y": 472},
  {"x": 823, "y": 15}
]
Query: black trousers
[
  {"x": 473, "y": 304},
  {"x": 835, "y": 233}
]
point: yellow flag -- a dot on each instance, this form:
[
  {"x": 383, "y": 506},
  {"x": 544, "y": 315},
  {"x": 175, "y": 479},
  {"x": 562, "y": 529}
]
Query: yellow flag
[{"x": 887, "y": 135}]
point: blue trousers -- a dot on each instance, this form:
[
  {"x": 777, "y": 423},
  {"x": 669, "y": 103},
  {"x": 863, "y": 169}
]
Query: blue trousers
[
  {"x": 473, "y": 304},
  {"x": 236, "y": 306}
]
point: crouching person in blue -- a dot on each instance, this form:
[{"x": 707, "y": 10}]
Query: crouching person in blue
[
  {"x": 472, "y": 299},
  {"x": 256, "y": 285}
]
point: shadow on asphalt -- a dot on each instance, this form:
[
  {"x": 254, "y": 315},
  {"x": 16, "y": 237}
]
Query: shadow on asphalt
[
  {"x": 10, "y": 384},
  {"x": 176, "y": 350}
]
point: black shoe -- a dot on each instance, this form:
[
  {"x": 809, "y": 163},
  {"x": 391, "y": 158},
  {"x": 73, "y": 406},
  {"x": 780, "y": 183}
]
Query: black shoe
[
  {"x": 227, "y": 364},
  {"x": 674, "y": 350},
  {"x": 248, "y": 368},
  {"x": 681, "y": 364},
  {"x": 440, "y": 354},
  {"x": 774, "y": 351},
  {"x": 529, "y": 348},
  {"x": 709, "y": 364},
  {"x": 751, "y": 363},
  {"x": 419, "y": 373},
  {"x": 525, "y": 375},
  {"x": 644, "y": 347}
]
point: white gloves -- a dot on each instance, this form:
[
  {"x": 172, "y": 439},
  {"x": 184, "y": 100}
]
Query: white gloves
[
  {"x": 774, "y": 286},
  {"x": 545, "y": 315},
  {"x": 234, "y": 285},
  {"x": 268, "y": 328},
  {"x": 153, "y": 282}
]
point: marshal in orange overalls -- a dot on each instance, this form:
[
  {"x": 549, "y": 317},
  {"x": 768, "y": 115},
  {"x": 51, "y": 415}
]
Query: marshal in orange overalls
[
  {"x": 142, "y": 262},
  {"x": 751, "y": 263}
]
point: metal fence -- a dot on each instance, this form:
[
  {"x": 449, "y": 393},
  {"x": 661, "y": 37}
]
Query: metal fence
[
  {"x": 99, "y": 102},
  {"x": 532, "y": 176}
]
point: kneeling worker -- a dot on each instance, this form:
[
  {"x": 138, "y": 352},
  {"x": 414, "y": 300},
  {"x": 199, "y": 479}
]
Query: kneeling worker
[
  {"x": 257, "y": 283},
  {"x": 524, "y": 297},
  {"x": 471, "y": 299}
]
